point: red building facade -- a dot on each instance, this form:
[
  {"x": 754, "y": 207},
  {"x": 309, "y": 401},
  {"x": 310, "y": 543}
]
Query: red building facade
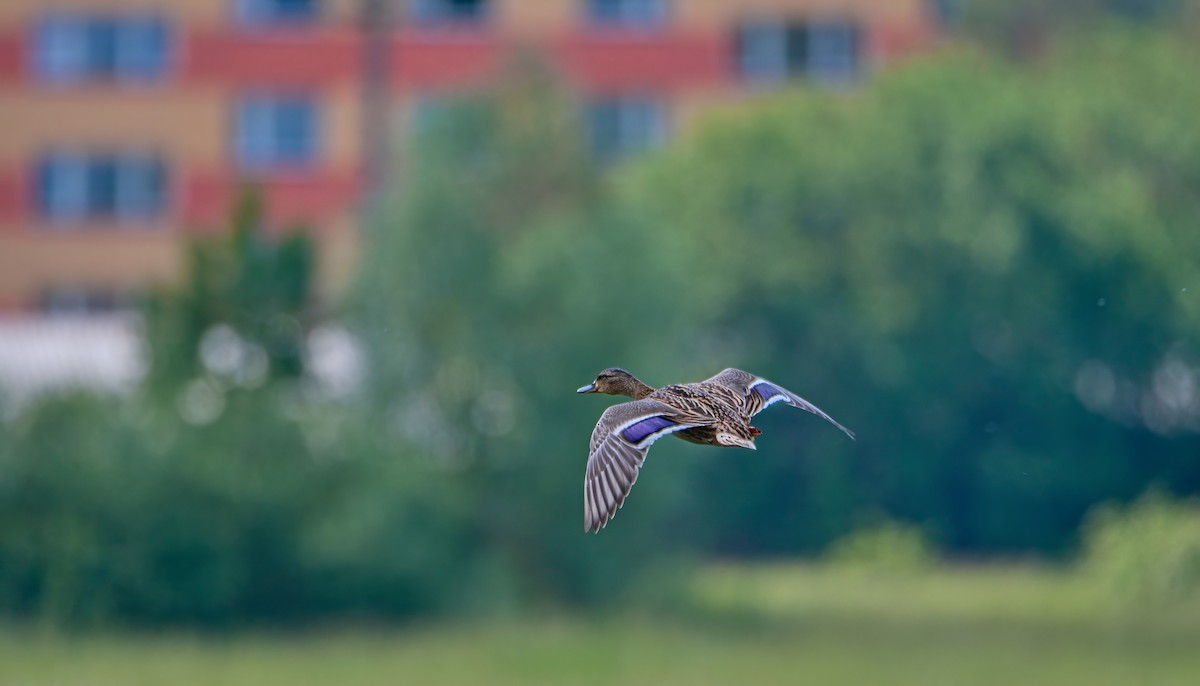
[{"x": 128, "y": 124}]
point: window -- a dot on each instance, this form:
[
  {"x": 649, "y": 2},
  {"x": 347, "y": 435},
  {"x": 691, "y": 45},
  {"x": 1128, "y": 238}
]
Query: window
[
  {"x": 75, "y": 49},
  {"x": 832, "y": 52},
  {"x": 645, "y": 13},
  {"x": 263, "y": 13},
  {"x": 622, "y": 126},
  {"x": 276, "y": 132},
  {"x": 80, "y": 187},
  {"x": 437, "y": 12},
  {"x": 60, "y": 50},
  {"x": 771, "y": 52},
  {"x": 141, "y": 49}
]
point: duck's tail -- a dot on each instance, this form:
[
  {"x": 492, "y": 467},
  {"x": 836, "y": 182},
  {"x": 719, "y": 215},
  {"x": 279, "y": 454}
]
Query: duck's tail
[{"x": 732, "y": 441}]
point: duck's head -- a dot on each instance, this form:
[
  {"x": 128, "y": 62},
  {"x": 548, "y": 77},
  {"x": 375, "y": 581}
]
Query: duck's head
[{"x": 617, "y": 381}]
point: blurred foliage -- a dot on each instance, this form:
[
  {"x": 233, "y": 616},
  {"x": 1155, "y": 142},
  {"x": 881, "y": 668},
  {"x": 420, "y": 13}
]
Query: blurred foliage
[
  {"x": 191, "y": 500},
  {"x": 990, "y": 271},
  {"x": 1145, "y": 554},
  {"x": 256, "y": 289},
  {"x": 503, "y": 283},
  {"x": 127, "y": 513},
  {"x": 887, "y": 547},
  {"x": 1027, "y": 28},
  {"x": 985, "y": 625}
]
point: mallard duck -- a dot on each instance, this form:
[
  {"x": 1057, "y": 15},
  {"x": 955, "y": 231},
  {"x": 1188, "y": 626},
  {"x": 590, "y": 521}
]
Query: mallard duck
[{"x": 715, "y": 411}]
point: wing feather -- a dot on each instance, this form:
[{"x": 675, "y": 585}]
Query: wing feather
[
  {"x": 618, "y": 449},
  {"x": 758, "y": 394}
]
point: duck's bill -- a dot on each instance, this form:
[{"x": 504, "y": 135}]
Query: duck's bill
[{"x": 590, "y": 388}]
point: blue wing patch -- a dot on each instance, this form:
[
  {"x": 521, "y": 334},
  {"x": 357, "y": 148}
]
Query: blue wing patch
[
  {"x": 638, "y": 431},
  {"x": 766, "y": 391}
]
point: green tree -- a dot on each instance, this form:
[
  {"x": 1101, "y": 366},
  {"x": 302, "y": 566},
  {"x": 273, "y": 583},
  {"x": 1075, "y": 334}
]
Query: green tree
[
  {"x": 197, "y": 500},
  {"x": 248, "y": 298},
  {"x": 987, "y": 270},
  {"x": 1027, "y": 28},
  {"x": 502, "y": 284}
]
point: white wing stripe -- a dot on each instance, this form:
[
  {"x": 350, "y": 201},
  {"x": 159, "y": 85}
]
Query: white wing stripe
[
  {"x": 774, "y": 399},
  {"x": 663, "y": 432}
]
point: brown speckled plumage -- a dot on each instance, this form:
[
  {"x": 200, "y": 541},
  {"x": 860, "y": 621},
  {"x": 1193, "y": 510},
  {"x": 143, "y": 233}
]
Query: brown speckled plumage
[{"x": 715, "y": 411}]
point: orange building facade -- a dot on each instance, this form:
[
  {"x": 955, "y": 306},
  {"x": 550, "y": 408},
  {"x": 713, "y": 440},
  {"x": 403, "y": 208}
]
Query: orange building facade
[{"x": 127, "y": 125}]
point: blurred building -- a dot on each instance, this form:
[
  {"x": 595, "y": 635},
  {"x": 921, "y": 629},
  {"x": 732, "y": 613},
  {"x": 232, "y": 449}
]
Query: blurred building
[{"x": 130, "y": 124}]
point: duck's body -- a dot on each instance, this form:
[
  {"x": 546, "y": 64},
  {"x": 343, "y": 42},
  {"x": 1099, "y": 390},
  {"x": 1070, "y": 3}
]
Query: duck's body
[
  {"x": 730, "y": 425},
  {"x": 715, "y": 411}
]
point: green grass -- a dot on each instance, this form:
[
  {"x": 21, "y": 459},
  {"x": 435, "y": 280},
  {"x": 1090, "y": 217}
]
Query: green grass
[{"x": 778, "y": 624}]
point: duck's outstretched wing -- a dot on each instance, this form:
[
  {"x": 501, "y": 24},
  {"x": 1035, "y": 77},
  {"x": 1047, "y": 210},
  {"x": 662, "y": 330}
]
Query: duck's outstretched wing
[
  {"x": 759, "y": 394},
  {"x": 618, "y": 448}
]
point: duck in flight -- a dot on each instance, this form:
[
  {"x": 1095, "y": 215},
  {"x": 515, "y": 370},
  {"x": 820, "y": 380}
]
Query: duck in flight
[{"x": 715, "y": 411}]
